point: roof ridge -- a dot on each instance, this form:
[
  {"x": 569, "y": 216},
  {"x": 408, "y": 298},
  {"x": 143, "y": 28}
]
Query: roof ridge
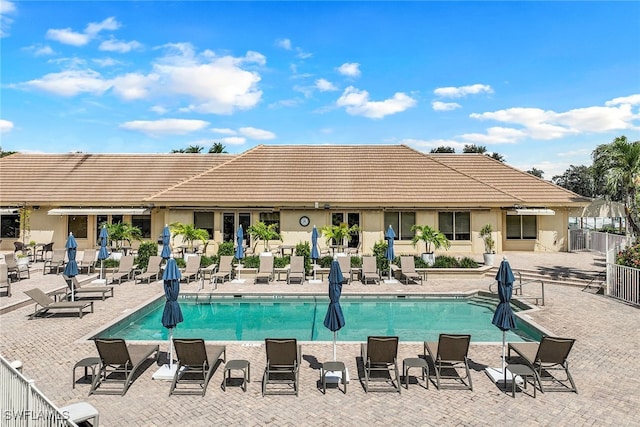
[{"x": 191, "y": 178}]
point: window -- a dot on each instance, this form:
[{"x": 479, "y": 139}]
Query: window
[
  {"x": 401, "y": 222},
  {"x": 522, "y": 227},
  {"x": 143, "y": 222},
  {"x": 455, "y": 225},
  {"x": 271, "y": 218},
  {"x": 10, "y": 225},
  {"x": 353, "y": 218},
  {"x": 78, "y": 226},
  {"x": 229, "y": 227},
  {"x": 204, "y": 220}
]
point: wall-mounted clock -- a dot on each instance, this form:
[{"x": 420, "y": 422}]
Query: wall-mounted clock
[{"x": 304, "y": 221}]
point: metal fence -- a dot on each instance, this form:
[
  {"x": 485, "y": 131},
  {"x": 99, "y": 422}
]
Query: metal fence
[
  {"x": 23, "y": 405},
  {"x": 587, "y": 240},
  {"x": 622, "y": 282}
]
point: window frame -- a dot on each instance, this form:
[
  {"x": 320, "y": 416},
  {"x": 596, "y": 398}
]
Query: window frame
[{"x": 454, "y": 235}]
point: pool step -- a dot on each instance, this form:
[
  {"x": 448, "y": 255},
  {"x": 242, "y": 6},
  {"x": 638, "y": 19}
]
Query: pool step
[{"x": 557, "y": 277}]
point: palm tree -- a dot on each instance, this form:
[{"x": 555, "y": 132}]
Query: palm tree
[
  {"x": 121, "y": 232},
  {"x": 264, "y": 232},
  {"x": 189, "y": 233},
  {"x": 217, "y": 148},
  {"x": 339, "y": 233},
  {"x": 619, "y": 163},
  {"x": 430, "y": 236}
]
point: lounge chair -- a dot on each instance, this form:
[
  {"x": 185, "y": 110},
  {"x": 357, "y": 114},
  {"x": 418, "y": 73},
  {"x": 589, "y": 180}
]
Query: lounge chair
[
  {"x": 192, "y": 270},
  {"x": 380, "y": 355},
  {"x": 4, "y": 278},
  {"x": 14, "y": 269},
  {"x": 296, "y": 271},
  {"x": 88, "y": 260},
  {"x": 224, "y": 269},
  {"x": 196, "y": 363},
  {"x": 124, "y": 271},
  {"x": 265, "y": 272},
  {"x": 345, "y": 268},
  {"x": 47, "y": 303},
  {"x": 550, "y": 354},
  {"x": 117, "y": 360},
  {"x": 57, "y": 261},
  {"x": 408, "y": 270},
  {"x": 82, "y": 290},
  {"x": 283, "y": 365},
  {"x": 449, "y": 354},
  {"x": 370, "y": 270},
  {"x": 153, "y": 270}
]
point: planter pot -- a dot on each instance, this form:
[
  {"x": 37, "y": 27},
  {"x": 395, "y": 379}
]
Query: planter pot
[
  {"x": 429, "y": 258},
  {"x": 23, "y": 261},
  {"x": 116, "y": 256},
  {"x": 489, "y": 259}
]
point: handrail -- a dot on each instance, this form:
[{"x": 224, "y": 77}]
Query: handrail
[
  {"x": 517, "y": 287},
  {"x": 602, "y": 275}
]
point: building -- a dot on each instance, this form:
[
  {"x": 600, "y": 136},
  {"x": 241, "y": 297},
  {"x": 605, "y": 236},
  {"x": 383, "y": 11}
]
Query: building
[{"x": 296, "y": 186}]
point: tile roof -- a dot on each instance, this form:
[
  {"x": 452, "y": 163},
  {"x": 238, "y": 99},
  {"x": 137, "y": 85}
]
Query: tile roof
[
  {"x": 277, "y": 176},
  {"x": 95, "y": 179}
]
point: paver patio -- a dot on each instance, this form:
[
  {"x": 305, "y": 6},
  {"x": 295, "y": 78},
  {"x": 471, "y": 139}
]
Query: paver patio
[{"x": 604, "y": 364}]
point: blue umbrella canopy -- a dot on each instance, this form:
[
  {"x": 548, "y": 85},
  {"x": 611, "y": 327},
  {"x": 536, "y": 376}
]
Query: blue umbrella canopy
[
  {"x": 239, "y": 239},
  {"x": 334, "y": 320},
  {"x": 103, "y": 237},
  {"x": 315, "y": 254},
  {"x": 172, "y": 315},
  {"x": 389, "y": 236},
  {"x": 71, "y": 269},
  {"x": 503, "y": 318},
  {"x": 166, "y": 243}
]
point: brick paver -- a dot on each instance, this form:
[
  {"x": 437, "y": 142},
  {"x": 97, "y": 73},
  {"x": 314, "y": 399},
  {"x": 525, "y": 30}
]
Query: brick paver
[{"x": 604, "y": 364}]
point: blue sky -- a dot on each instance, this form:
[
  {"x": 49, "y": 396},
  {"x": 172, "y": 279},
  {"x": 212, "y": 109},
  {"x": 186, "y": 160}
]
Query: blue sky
[{"x": 542, "y": 83}]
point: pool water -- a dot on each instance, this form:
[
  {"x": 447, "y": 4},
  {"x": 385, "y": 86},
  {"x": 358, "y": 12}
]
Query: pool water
[{"x": 257, "y": 318}]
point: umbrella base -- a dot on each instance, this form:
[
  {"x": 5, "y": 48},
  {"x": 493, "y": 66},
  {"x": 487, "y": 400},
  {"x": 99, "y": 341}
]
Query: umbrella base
[
  {"x": 315, "y": 281},
  {"x": 165, "y": 373},
  {"x": 334, "y": 377},
  {"x": 238, "y": 281},
  {"x": 497, "y": 376},
  {"x": 390, "y": 281}
]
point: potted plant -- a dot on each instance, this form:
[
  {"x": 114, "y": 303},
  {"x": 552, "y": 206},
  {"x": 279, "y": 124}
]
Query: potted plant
[
  {"x": 432, "y": 238},
  {"x": 261, "y": 231},
  {"x": 341, "y": 234},
  {"x": 489, "y": 244},
  {"x": 189, "y": 233}
]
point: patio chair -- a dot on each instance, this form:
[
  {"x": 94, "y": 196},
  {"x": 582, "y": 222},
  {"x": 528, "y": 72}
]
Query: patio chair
[
  {"x": 408, "y": 270},
  {"x": 370, "y": 270},
  {"x": 82, "y": 290},
  {"x": 4, "y": 278},
  {"x": 42, "y": 251},
  {"x": 46, "y": 303},
  {"x": 345, "y": 268},
  {"x": 224, "y": 269},
  {"x": 296, "y": 271},
  {"x": 57, "y": 261},
  {"x": 448, "y": 355},
  {"x": 14, "y": 269},
  {"x": 88, "y": 260},
  {"x": 192, "y": 270},
  {"x": 153, "y": 270},
  {"x": 380, "y": 359},
  {"x": 549, "y": 355},
  {"x": 124, "y": 271},
  {"x": 119, "y": 362},
  {"x": 196, "y": 363},
  {"x": 283, "y": 366},
  {"x": 265, "y": 272}
]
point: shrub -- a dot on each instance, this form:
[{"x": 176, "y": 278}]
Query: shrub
[
  {"x": 630, "y": 257},
  {"x": 467, "y": 262},
  {"x": 281, "y": 262},
  {"x": 111, "y": 263},
  {"x": 226, "y": 248},
  {"x": 325, "y": 261},
  {"x": 146, "y": 250},
  {"x": 356, "y": 262},
  {"x": 252, "y": 261},
  {"x": 304, "y": 249},
  {"x": 444, "y": 261},
  {"x": 206, "y": 261},
  {"x": 181, "y": 262}
]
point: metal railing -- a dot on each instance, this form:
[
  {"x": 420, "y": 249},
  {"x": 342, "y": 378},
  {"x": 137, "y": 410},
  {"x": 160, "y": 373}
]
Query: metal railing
[
  {"x": 622, "y": 282},
  {"x": 517, "y": 289},
  {"x": 23, "y": 405},
  {"x": 598, "y": 241}
]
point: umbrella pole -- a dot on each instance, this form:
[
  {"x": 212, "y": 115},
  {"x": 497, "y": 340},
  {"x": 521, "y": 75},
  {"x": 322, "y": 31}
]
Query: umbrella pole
[
  {"x": 504, "y": 333},
  {"x": 334, "y": 345},
  {"x": 171, "y": 348},
  {"x": 101, "y": 269}
]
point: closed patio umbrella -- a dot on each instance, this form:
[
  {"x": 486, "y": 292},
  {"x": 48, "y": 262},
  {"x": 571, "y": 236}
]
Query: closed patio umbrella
[
  {"x": 315, "y": 253},
  {"x": 503, "y": 317},
  {"x": 71, "y": 269},
  {"x": 390, "y": 254},
  {"x": 103, "y": 253},
  {"x": 166, "y": 243},
  {"x": 334, "y": 320},
  {"x": 239, "y": 239},
  {"x": 172, "y": 314}
]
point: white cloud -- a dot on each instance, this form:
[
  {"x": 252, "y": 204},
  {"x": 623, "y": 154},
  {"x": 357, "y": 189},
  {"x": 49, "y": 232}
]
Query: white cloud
[
  {"x": 70, "y": 83},
  {"x": 495, "y": 135},
  {"x": 444, "y": 106},
  {"x": 324, "y": 85},
  {"x": 357, "y": 103},
  {"x": 302, "y": 54},
  {"x": 106, "y": 62},
  {"x": 350, "y": 69},
  {"x": 94, "y": 28},
  {"x": 433, "y": 143},
  {"x": 113, "y": 45},
  {"x": 224, "y": 131},
  {"x": 254, "y": 133},
  {"x": 6, "y": 8},
  {"x": 462, "y": 91},
  {"x": 40, "y": 50},
  {"x": 68, "y": 36},
  {"x": 631, "y": 100},
  {"x": 133, "y": 85},
  {"x": 159, "y": 109},
  {"x": 5, "y": 126},
  {"x": 234, "y": 140},
  {"x": 165, "y": 126},
  {"x": 284, "y": 44}
]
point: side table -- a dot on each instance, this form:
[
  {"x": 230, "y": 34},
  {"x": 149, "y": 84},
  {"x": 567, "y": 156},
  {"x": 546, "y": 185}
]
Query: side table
[
  {"x": 333, "y": 367},
  {"x": 240, "y": 365},
  {"x": 523, "y": 371},
  {"x": 87, "y": 362},
  {"x": 415, "y": 362}
]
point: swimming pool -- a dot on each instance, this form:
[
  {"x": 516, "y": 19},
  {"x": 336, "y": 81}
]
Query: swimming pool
[{"x": 254, "y": 318}]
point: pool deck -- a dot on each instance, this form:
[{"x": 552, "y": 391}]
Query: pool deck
[{"x": 604, "y": 364}]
